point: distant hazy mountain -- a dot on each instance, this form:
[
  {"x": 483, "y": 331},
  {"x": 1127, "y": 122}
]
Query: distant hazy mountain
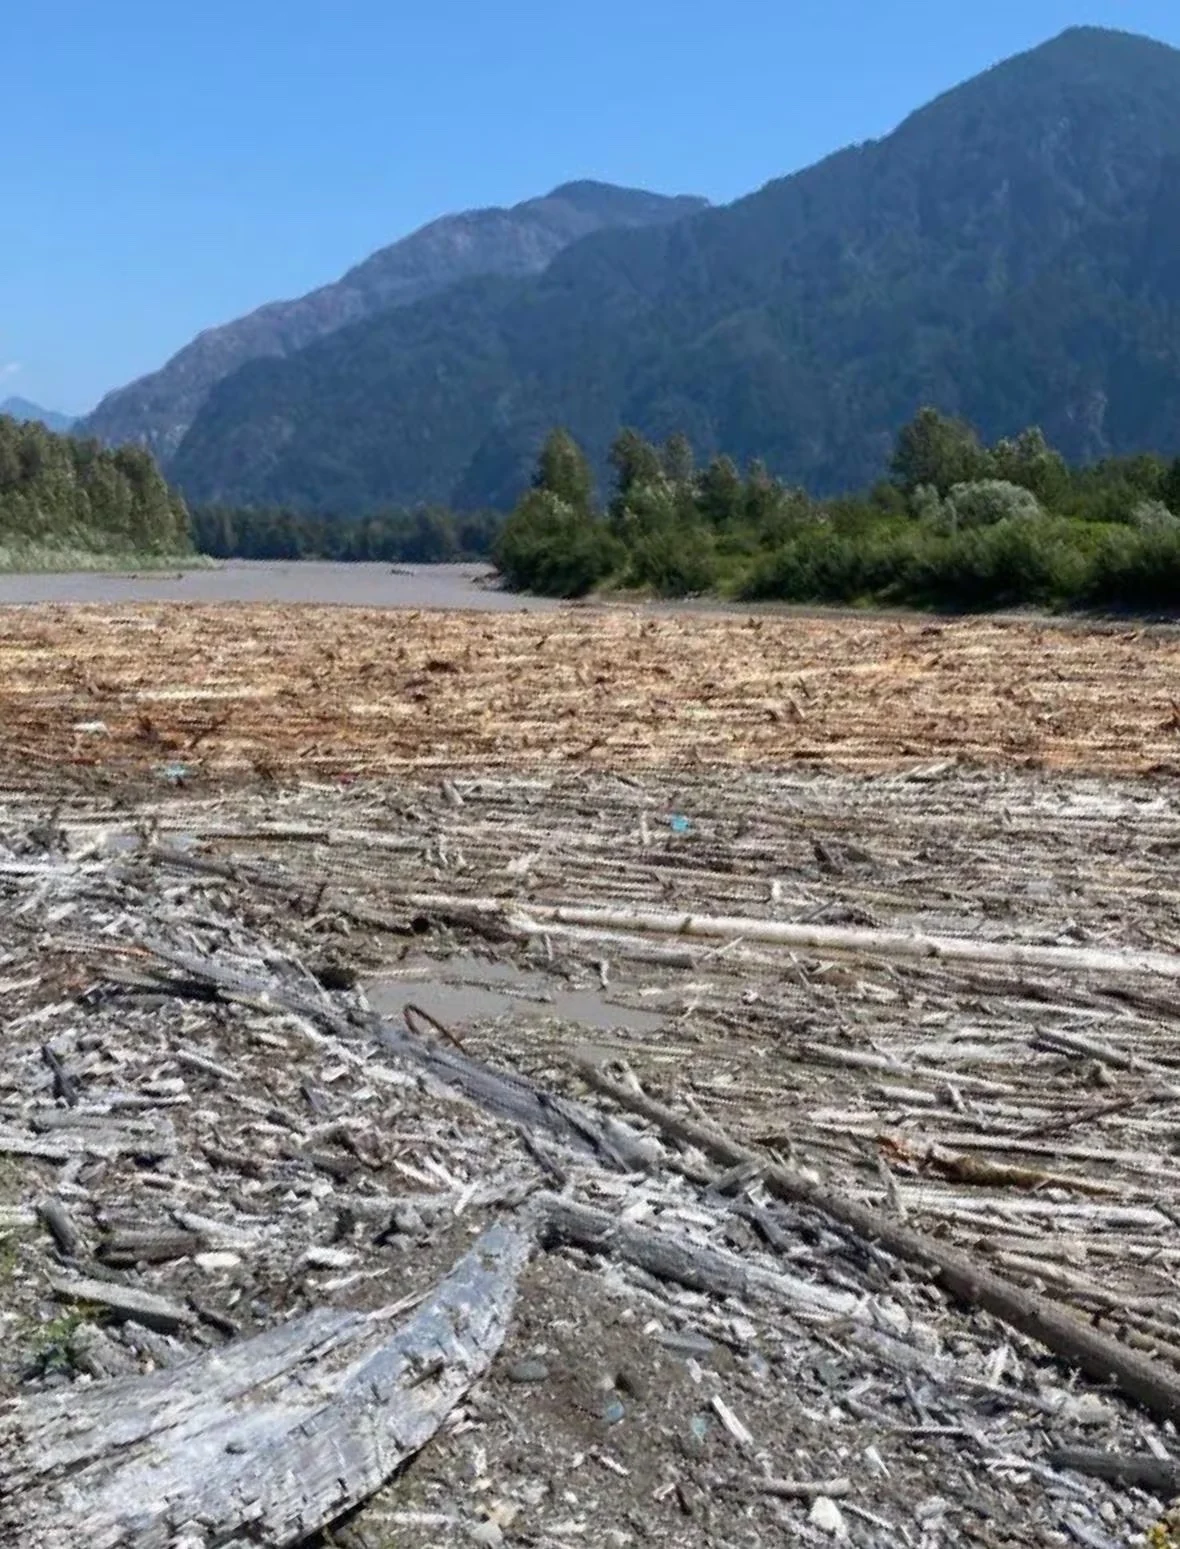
[
  {"x": 22, "y": 409},
  {"x": 1010, "y": 253},
  {"x": 157, "y": 410}
]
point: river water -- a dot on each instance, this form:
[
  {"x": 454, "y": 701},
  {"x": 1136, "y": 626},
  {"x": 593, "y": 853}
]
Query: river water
[{"x": 361, "y": 586}]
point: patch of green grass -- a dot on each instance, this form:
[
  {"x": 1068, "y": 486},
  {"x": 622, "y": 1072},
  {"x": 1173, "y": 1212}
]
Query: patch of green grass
[
  {"x": 34, "y": 559},
  {"x": 52, "y": 1344}
]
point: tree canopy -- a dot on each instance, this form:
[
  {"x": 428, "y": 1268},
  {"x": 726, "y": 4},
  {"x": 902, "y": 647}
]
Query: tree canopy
[
  {"x": 961, "y": 524},
  {"x": 62, "y": 494}
]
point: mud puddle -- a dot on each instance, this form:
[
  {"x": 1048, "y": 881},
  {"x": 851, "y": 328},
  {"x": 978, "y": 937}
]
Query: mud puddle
[{"x": 465, "y": 989}]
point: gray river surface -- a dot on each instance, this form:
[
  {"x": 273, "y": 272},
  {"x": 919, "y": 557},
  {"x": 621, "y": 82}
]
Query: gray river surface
[
  {"x": 260, "y": 581},
  {"x": 471, "y": 586}
]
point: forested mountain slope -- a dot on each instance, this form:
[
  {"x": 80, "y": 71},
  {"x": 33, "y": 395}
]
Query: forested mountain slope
[{"x": 1009, "y": 253}]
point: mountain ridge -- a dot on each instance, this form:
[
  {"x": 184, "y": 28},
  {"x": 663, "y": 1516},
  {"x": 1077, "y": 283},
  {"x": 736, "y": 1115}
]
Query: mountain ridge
[
  {"x": 23, "y": 409},
  {"x": 156, "y": 410},
  {"x": 1005, "y": 253}
]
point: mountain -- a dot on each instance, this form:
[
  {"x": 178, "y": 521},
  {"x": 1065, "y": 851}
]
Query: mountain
[
  {"x": 157, "y": 410},
  {"x": 22, "y": 409},
  {"x": 1009, "y": 253}
]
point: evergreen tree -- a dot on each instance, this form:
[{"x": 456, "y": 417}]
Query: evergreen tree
[
  {"x": 562, "y": 469},
  {"x": 937, "y": 452},
  {"x": 722, "y": 494},
  {"x": 635, "y": 462},
  {"x": 73, "y": 495},
  {"x": 677, "y": 458}
]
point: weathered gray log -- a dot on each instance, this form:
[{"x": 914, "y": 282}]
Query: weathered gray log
[
  {"x": 58, "y": 1222},
  {"x": 671, "y": 1256},
  {"x": 265, "y": 1442},
  {"x": 94, "y": 1352},
  {"x": 520, "y": 1101},
  {"x": 1148, "y": 1382},
  {"x": 64, "y": 1085},
  {"x": 1159, "y": 1475},
  {"x": 123, "y": 1301},
  {"x": 820, "y": 939},
  {"x": 88, "y": 1140},
  {"x": 150, "y": 1245}
]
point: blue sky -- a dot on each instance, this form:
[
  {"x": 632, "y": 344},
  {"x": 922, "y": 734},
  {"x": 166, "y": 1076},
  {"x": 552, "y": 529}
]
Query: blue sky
[{"x": 169, "y": 166}]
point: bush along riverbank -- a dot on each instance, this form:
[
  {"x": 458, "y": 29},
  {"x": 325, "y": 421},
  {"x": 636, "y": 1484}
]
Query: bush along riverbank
[{"x": 958, "y": 525}]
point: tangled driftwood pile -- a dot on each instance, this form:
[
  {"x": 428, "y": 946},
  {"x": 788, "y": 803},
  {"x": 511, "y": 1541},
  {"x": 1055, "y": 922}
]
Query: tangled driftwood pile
[
  {"x": 690, "y": 1230},
  {"x": 303, "y": 693}
]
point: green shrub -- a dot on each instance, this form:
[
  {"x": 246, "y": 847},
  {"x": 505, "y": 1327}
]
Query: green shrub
[
  {"x": 546, "y": 547},
  {"x": 986, "y": 502},
  {"x": 1136, "y": 570},
  {"x": 674, "y": 561},
  {"x": 1009, "y": 564},
  {"x": 822, "y": 564},
  {"x": 1154, "y": 516}
]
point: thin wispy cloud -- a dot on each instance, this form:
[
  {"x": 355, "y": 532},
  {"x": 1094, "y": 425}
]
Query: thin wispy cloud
[{"x": 10, "y": 369}]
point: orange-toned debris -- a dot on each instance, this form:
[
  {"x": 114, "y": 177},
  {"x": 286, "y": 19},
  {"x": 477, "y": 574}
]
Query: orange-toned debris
[{"x": 303, "y": 691}]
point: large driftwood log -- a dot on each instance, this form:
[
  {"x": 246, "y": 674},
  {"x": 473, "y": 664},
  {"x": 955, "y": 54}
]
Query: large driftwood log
[
  {"x": 822, "y": 939},
  {"x": 264, "y": 1442},
  {"x": 1136, "y": 1375}
]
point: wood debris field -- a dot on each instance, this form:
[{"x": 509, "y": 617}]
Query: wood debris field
[
  {"x": 306, "y": 691},
  {"x": 600, "y": 1077}
]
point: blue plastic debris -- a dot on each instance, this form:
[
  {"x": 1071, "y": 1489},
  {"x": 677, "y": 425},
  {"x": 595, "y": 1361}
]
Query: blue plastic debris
[{"x": 678, "y": 824}]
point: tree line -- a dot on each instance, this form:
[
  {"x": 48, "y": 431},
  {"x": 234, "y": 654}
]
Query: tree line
[
  {"x": 428, "y": 536},
  {"x": 957, "y": 524},
  {"x": 69, "y": 496}
]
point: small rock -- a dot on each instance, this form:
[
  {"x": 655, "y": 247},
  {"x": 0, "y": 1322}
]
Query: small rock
[
  {"x": 528, "y": 1371},
  {"x": 628, "y": 1380},
  {"x": 328, "y": 1258},
  {"x": 488, "y": 1533},
  {"x": 407, "y": 1221},
  {"x": 931, "y": 1509},
  {"x": 826, "y": 1516},
  {"x": 210, "y": 1262}
]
